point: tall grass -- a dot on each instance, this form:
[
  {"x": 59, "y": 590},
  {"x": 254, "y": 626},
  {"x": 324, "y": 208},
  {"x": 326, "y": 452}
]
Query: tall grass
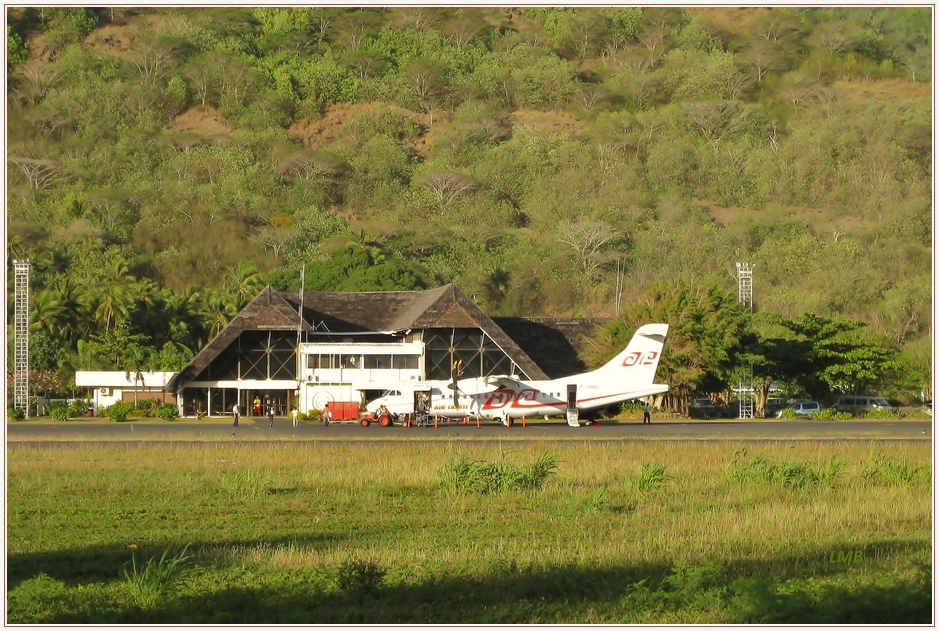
[
  {"x": 882, "y": 469},
  {"x": 247, "y": 483},
  {"x": 636, "y": 532},
  {"x": 760, "y": 469},
  {"x": 146, "y": 583},
  {"x": 650, "y": 478},
  {"x": 463, "y": 475}
]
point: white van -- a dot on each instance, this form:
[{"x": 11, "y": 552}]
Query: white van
[{"x": 860, "y": 403}]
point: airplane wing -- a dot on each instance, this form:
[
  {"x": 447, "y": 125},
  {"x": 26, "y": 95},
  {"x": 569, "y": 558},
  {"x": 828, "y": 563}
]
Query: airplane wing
[
  {"x": 475, "y": 385},
  {"x": 499, "y": 381}
]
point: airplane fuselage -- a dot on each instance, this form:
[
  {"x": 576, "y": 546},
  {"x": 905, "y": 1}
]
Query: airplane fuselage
[
  {"x": 516, "y": 400},
  {"x": 627, "y": 376}
]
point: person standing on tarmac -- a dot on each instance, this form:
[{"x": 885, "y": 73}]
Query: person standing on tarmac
[
  {"x": 646, "y": 417},
  {"x": 234, "y": 412},
  {"x": 295, "y": 414},
  {"x": 270, "y": 415}
]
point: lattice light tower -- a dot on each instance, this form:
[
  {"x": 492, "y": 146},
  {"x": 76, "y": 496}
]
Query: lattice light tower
[
  {"x": 21, "y": 335},
  {"x": 745, "y": 295}
]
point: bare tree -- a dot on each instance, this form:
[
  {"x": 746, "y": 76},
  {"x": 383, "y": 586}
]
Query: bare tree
[
  {"x": 448, "y": 186},
  {"x": 587, "y": 237},
  {"x": 38, "y": 78},
  {"x": 420, "y": 18},
  {"x": 835, "y": 37},
  {"x": 591, "y": 95},
  {"x": 152, "y": 58},
  {"x": 715, "y": 120},
  {"x": 462, "y": 30},
  {"x": 761, "y": 57},
  {"x": 311, "y": 166},
  {"x": 41, "y": 174}
]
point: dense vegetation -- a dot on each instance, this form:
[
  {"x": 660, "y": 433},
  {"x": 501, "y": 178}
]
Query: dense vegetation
[{"x": 165, "y": 164}]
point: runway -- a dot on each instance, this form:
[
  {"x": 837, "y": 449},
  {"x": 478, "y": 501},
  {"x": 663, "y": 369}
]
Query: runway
[{"x": 45, "y": 432}]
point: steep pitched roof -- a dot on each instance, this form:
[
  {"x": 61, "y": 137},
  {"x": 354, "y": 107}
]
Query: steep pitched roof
[
  {"x": 352, "y": 312},
  {"x": 443, "y": 307},
  {"x": 268, "y": 311}
]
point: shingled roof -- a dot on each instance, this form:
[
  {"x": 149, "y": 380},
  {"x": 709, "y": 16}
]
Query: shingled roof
[
  {"x": 267, "y": 312},
  {"x": 356, "y": 312},
  {"x": 554, "y": 343}
]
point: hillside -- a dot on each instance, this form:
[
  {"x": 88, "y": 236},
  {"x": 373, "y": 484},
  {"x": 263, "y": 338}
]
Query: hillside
[{"x": 165, "y": 163}]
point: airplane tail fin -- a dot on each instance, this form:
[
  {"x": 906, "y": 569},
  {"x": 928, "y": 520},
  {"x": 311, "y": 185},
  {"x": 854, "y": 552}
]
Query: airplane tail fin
[{"x": 638, "y": 362}]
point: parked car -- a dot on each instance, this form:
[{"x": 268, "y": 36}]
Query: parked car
[
  {"x": 773, "y": 406},
  {"x": 703, "y": 407},
  {"x": 802, "y": 408},
  {"x": 859, "y": 404}
]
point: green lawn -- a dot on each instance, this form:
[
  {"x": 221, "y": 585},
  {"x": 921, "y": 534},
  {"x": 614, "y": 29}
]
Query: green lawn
[{"x": 333, "y": 532}]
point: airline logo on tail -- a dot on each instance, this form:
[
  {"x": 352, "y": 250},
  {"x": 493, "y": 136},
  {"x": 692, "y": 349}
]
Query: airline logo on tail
[{"x": 648, "y": 359}]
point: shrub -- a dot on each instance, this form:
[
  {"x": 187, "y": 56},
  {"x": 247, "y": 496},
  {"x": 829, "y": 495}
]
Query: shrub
[
  {"x": 119, "y": 411},
  {"x": 16, "y": 414},
  {"x": 78, "y": 408},
  {"x": 167, "y": 411},
  {"x": 356, "y": 575},
  {"x": 789, "y": 413},
  {"x": 58, "y": 410},
  {"x": 146, "y": 407},
  {"x": 885, "y": 414},
  {"x": 630, "y": 407},
  {"x": 830, "y": 414},
  {"x": 312, "y": 415}
]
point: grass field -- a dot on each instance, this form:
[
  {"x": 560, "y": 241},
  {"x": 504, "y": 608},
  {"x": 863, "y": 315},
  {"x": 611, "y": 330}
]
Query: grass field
[{"x": 534, "y": 532}]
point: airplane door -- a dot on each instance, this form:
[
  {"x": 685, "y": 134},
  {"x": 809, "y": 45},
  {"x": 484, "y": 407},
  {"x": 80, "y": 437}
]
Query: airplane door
[
  {"x": 572, "y": 413},
  {"x": 421, "y": 407}
]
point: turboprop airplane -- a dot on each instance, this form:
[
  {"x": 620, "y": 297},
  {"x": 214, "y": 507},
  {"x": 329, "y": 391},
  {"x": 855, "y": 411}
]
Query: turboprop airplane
[{"x": 503, "y": 398}]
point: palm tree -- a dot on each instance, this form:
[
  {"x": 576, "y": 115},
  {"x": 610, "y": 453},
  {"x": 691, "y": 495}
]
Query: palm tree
[
  {"x": 135, "y": 359},
  {"x": 76, "y": 301},
  {"x": 244, "y": 282},
  {"x": 218, "y": 309},
  {"x": 184, "y": 317},
  {"x": 114, "y": 304},
  {"x": 117, "y": 297},
  {"x": 47, "y": 313}
]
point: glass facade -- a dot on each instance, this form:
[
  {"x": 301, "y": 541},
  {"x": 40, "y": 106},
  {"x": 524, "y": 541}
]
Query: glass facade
[
  {"x": 470, "y": 352},
  {"x": 255, "y": 355}
]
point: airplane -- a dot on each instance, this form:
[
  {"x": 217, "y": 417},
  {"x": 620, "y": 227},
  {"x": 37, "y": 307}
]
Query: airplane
[{"x": 503, "y": 398}]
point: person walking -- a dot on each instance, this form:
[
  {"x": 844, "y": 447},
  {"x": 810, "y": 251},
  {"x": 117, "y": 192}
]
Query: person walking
[
  {"x": 234, "y": 412},
  {"x": 270, "y": 415},
  {"x": 295, "y": 415},
  {"x": 646, "y": 417}
]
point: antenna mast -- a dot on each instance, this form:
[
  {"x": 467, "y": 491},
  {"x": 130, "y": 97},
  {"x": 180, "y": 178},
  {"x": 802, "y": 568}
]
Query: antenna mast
[
  {"x": 21, "y": 335},
  {"x": 299, "y": 329},
  {"x": 745, "y": 295}
]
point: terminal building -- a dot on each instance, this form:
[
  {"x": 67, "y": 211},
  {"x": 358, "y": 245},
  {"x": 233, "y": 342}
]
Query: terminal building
[{"x": 284, "y": 349}]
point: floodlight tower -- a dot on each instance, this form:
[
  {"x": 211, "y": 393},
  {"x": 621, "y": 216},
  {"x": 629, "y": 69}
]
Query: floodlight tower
[
  {"x": 745, "y": 295},
  {"x": 21, "y": 335}
]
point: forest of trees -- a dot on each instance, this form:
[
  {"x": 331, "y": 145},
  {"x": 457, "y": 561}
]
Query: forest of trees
[{"x": 165, "y": 164}]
